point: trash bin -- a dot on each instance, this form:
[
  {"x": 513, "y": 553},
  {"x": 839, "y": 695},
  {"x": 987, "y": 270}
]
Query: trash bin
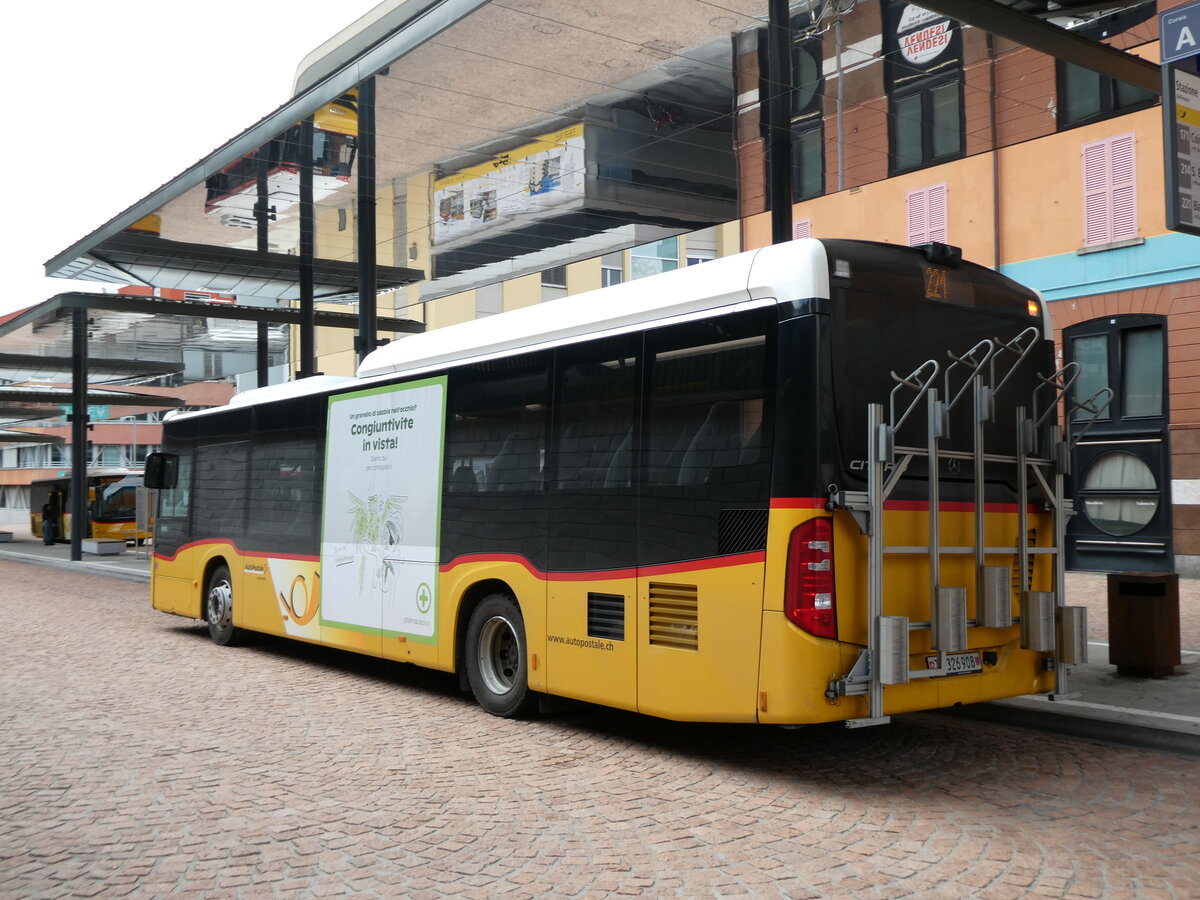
[{"x": 1143, "y": 623}]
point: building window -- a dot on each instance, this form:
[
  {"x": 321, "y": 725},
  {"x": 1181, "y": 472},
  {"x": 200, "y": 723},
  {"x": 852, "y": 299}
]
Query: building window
[
  {"x": 1109, "y": 191},
  {"x": 612, "y": 269},
  {"x": 924, "y": 79},
  {"x": 489, "y": 300},
  {"x": 927, "y": 214},
  {"x": 554, "y": 283},
  {"x": 655, "y": 258},
  {"x": 1086, "y": 96},
  {"x": 927, "y": 125},
  {"x": 808, "y": 130}
]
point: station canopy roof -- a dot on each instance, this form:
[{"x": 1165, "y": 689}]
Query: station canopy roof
[
  {"x": 138, "y": 339},
  {"x": 512, "y": 136}
]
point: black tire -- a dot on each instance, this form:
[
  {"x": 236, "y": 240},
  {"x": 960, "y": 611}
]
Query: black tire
[
  {"x": 218, "y": 608},
  {"x": 497, "y": 658}
]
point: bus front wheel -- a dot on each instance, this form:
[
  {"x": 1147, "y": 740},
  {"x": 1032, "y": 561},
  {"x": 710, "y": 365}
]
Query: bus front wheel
[
  {"x": 496, "y": 657},
  {"x": 218, "y": 608}
]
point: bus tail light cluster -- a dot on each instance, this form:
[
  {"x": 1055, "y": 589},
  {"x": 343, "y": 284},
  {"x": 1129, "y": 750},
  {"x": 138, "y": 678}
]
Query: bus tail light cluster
[{"x": 809, "y": 600}]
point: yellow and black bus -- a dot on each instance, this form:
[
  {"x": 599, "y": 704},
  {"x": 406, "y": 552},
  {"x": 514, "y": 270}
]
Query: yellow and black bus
[
  {"x": 112, "y": 504},
  {"x": 763, "y": 489}
]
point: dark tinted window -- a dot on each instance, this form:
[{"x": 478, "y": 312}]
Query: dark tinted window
[
  {"x": 593, "y": 508},
  {"x": 494, "y": 498},
  {"x": 496, "y": 440},
  {"x": 219, "y": 492},
  {"x": 597, "y": 392},
  {"x": 707, "y": 434},
  {"x": 284, "y": 489}
]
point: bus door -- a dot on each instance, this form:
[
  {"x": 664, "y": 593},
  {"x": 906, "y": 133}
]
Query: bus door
[
  {"x": 1121, "y": 472},
  {"x": 591, "y": 647},
  {"x": 218, "y": 513},
  {"x": 703, "y": 517},
  {"x": 172, "y": 585}
]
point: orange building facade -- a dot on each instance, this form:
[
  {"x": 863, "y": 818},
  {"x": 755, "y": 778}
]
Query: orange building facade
[{"x": 908, "y": 127}]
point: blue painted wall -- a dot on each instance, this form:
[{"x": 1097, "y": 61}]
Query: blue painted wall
[{"x": 1164, "y": 259}]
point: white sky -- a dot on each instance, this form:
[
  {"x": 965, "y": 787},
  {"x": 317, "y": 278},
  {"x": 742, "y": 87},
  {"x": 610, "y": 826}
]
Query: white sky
[{"x": 109, "y": 100}]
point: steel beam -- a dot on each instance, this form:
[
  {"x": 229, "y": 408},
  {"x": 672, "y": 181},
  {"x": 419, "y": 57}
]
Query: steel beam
[
  {"x": 79, "y": 430},
  {"x": 308, "y": 243},
  {"x": 366, "y": 340},
  {"x": 778, "y": 113}
]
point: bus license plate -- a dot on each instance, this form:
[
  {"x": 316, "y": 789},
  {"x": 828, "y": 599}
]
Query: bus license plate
[{"x": 958, "y": 663}]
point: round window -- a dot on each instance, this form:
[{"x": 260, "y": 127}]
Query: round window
[{"x": 1119, "y": 514}]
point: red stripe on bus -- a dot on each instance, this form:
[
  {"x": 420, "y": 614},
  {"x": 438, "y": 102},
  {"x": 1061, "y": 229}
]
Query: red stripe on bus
[
  {"x": 901, "y": 505},
  {"x": 236, "y": 549},
  {"x": 953, "y": 506},
  {"x": 694, "y": 565}
]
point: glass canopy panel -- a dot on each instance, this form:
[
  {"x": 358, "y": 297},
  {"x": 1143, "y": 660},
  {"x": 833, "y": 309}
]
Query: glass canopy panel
[
  {"x": 531, "y": 135},
  {"x": 516, "y": 136}
]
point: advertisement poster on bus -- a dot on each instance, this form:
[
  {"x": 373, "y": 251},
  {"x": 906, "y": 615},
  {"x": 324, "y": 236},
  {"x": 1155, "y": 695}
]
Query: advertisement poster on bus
[
  {"x": 537, "y": 176},
  {"x": 383, "y": 486}
]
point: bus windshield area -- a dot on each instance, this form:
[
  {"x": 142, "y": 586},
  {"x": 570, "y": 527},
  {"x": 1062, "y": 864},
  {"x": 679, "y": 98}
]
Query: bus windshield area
[{"x": 115, "y": 501}]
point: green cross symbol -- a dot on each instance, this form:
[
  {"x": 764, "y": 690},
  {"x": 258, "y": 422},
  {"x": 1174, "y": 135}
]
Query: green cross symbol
[{"x": 424, "y": 598}]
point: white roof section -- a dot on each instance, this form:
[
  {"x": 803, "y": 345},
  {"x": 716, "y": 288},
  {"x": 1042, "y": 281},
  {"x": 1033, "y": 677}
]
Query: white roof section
[
  {"x": 388, "y": 16},
  {"x": 797, "y": 270},
  {"x": 299, "y": 388}
]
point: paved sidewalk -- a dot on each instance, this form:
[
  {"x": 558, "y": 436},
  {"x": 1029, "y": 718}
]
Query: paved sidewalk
[
  {"x": 1161, "y": 712},
  {"x": 1146, "y": 711},
  {"x": 132, "y": 565}
]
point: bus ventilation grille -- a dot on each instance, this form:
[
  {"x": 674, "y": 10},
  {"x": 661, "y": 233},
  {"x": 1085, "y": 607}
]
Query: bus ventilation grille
[
  {"x": 741, "y": 531},
  {"x": 674, "y": 616},
  {"x": 606, "y": 616}
]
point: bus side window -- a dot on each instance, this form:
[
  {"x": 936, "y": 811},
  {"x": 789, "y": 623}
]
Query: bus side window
[
  {"x": 496, "y": 439},
  {"x": 174, "y": 502},
  {"x": 219, "y": 505},
  {"x": 283, "y": 492},
  {"x": 596, "y": 393},
  {"x": 706, "y": 418}
]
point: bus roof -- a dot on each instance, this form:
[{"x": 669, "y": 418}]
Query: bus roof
[
  {"x": 796, "y": 270},
  {"x": 109, "y": 472},
  {"x": 778, "y": 273}
]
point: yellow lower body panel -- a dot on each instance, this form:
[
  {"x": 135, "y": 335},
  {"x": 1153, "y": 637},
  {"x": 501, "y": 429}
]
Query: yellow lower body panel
[{"x": 797, "y": 670}]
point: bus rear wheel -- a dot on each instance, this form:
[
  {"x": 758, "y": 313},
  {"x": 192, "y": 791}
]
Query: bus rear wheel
[
  {"x": 218, "y": 608},
  {"x": 496, "y": 657}
]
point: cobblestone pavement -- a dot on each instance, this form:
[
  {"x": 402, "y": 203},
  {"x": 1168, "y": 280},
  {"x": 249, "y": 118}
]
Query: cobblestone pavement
[{"x": 138, "y": 757}]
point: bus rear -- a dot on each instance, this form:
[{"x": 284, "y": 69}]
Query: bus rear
[{"x": 914, "y": 523}]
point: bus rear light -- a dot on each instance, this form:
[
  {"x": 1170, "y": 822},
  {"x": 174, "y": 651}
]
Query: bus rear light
[{"x": 809, "y": 598}]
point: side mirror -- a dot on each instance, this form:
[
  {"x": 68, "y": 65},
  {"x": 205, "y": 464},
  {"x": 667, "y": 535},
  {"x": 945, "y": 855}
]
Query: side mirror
[{"x": 162, "y": 470}]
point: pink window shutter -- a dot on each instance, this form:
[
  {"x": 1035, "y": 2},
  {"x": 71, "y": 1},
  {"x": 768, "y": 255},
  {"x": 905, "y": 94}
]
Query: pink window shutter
[
  {"x": 918, "y": 204},
  {"x": 1123, "y": 169},
  {"x": 1097, "y": 193},
  {"x": 927, "y": 214},
  {"x": 936, "y": 212},
  {"x": 801, "y": 229}
]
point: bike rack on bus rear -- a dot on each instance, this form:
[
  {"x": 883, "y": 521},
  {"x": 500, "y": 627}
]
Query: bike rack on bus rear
[{"x": 1047, "y": 624}]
